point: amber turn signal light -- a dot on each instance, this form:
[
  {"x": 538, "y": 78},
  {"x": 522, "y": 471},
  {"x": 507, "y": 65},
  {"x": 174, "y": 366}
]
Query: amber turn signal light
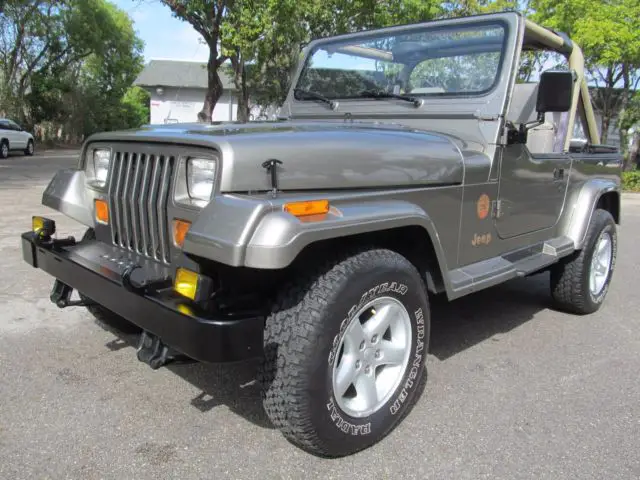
[
  {"x": 312, "y": 207},
  {"x": 180, "y": 229},
  {"x": 102, "y": 211}
]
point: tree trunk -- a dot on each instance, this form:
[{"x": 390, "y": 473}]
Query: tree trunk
[
  {"x": 634, "y": 151},
  {"x": 240, "y": 81},
  {"x": 214, "y": 87},
  {"x": 606, "y": 121},
  {"x": 622, "y": 130}
]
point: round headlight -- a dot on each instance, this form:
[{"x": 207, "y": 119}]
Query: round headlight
[
  {"x": 98, "y": 167},
  {"x": 201, "y": 174}
]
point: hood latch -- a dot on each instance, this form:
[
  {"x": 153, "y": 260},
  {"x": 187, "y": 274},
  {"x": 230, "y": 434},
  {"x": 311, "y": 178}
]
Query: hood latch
[{"x": 271, "y": 166}]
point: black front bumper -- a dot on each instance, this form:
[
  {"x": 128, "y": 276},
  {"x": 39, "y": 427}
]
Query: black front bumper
[{"x": 89, "y": 267}]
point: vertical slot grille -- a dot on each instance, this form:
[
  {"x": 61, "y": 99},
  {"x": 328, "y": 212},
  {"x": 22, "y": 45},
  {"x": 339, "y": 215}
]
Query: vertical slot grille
[{"x": 138, "y": 197}]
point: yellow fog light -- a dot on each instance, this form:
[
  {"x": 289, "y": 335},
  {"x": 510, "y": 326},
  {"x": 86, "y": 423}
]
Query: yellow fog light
[
  {"x": 43, "y": 227},
  {"x": 186, "y": 283}
]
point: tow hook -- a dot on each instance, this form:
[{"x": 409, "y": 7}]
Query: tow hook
[
  {"x": 61, "y": 296},
  {"x": 153, "y": 352}
]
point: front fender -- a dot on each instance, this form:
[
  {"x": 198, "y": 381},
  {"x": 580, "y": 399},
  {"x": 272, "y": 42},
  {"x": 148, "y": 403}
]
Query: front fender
[
  {"x": 583, "y": 203},
  {"x": 67, "y": 194},
  {"x": 280, "y": 237},
  {"x": 250, "y": 233}
]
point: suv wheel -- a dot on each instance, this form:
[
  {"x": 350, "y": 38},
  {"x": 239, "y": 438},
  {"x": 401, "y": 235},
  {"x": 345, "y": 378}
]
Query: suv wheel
[
  {"x": 345, "y": 352},
  {"x": 580, "y": 283},
  {"x": 30, "y": 148},
  {"x": 4, "y": 149},
  {"x": 106, "y": 318}
]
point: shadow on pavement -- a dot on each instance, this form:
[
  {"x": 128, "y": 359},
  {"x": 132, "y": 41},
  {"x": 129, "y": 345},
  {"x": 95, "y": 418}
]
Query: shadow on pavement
[
  {"x": 470, "y": 320},
  {"x": 455, "y": 327}
]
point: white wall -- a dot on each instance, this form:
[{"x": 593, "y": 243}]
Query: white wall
[{"x": 183, "y": 104}]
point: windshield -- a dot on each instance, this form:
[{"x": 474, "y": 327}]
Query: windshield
[{"x": 453, "y": 61}]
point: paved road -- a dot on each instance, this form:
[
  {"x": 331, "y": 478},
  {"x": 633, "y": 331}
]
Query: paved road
[{"x": 515, "y": 390}]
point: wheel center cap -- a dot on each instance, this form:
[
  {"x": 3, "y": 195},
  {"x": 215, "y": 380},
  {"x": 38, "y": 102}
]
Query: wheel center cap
[{"x": 369, "y": 355}]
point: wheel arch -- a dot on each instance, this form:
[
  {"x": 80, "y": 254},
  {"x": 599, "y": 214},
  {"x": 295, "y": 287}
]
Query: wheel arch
[
  {"x": 281, "y": 239},
  {"x": 411, "y": 241},
  {"x": 594, "y": 194}
]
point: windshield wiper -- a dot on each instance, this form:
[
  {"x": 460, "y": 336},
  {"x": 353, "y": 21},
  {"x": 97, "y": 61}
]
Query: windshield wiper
[
  {"x": 417, "y": 102},
  {"x": 316, "y": 96}
]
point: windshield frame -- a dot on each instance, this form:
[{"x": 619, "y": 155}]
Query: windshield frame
[{"x": 429, "y": 27}]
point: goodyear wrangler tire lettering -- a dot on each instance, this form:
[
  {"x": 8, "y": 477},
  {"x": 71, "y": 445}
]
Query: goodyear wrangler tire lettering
[
  {"x": 415, "y": 366},
  {"x": 303, "y": 336}
]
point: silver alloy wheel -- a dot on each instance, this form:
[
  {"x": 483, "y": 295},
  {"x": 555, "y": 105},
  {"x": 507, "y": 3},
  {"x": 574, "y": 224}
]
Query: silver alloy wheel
[
  {"x": 372, "y": 357},
  {"x": 30, "y": 147},
  {"x": 5, "y": 150},
  {"x": 600, "y": 263}
]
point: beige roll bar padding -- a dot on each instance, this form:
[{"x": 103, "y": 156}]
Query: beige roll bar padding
[{"x": 576, "y": 63}]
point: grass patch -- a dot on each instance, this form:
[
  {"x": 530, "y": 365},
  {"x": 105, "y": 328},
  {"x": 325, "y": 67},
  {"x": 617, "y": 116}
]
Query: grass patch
[{"x": 631, "y": 181}]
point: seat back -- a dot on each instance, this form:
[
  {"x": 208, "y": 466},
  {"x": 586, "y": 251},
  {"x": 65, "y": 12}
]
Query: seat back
[{"x": 540, "y": 139}]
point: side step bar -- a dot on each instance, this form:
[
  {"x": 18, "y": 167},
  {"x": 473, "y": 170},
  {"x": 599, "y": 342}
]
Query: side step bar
[{"x": 520, "y": 263}]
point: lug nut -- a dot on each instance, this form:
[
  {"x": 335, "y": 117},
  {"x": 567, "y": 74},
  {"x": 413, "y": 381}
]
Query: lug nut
[
  {"x": 358, "y": 364},
  {"x": 374, "y": 339},
  {"x": 362, "y": 345},
  {"x": 378, "y": 354},
  {"x": 367, "y": 370}
]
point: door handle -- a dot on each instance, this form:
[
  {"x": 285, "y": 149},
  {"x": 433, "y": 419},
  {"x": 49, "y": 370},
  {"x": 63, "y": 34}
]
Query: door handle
[{"x": 558, "y": 173}]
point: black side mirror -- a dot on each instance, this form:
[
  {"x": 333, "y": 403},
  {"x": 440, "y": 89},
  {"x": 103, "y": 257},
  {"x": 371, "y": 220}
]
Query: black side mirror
[{"x": 555, "y": 91}]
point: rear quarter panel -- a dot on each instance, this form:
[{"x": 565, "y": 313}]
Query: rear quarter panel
[{"x": 592, "y": 175}]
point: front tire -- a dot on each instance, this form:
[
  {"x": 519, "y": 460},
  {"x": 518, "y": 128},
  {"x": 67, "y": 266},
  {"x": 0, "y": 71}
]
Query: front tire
[
  {"x": 30, "y": 149},
  {"x": 580, "y": 283},
  {"x": 4, "y": 149},
  {"x": 345, "y": 353}
]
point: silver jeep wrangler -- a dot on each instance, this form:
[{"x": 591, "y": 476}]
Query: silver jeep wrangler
[{"x": 409, "y": 162}]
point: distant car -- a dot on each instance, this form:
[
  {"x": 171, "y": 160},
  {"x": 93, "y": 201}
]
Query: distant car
[{"x": 14, "y": 138}]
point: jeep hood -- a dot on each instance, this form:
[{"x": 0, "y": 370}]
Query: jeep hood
[{"x": 315, "y": 156}]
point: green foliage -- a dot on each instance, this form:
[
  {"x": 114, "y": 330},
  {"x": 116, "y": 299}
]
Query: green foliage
[
  {"x": 67, "y": 63},
  {"x": 609, "y": 34},
  {"x": 631, "y": 181},
  {"x": 135, "y": 107},
  {"x": 631, "y": 115}
]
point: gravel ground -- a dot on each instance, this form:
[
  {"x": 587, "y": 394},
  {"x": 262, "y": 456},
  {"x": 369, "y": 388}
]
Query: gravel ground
[{"x": 516, "y": 390}]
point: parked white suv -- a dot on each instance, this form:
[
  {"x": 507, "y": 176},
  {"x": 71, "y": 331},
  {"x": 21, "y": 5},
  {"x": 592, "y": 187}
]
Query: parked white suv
[{"x": 14, "y": 137}]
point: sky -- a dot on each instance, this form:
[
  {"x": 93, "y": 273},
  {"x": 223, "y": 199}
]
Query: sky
[{"x": 165, "y": 37}]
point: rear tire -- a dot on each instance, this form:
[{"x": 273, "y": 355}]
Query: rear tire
[
  {"x": 309, "y": 344},
  {"x": 579, "y": 284},
  {"x": 4, "y": 149},
  {"x": 105, "y": 317}
]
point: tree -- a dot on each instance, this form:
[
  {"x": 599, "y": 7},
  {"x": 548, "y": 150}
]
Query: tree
[
  {"x": 67, "y": 63},
  {"x": 630, "y": 119},
  {"x": 206, "y": 17},
  {"x": 262, "y": 39},
  {"x": 609, "y": 34}
]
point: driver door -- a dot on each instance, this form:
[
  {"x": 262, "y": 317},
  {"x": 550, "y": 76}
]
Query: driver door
[{"x": 534, "y": 170}]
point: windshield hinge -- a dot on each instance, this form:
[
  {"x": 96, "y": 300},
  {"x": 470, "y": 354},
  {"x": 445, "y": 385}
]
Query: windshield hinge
[
  {"x": 497, "y": 210},
  {"x": 486, "y": 117}
]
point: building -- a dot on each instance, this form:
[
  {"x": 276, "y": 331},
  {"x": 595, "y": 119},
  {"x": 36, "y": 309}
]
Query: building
[{"x": 177, "y": 90}]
